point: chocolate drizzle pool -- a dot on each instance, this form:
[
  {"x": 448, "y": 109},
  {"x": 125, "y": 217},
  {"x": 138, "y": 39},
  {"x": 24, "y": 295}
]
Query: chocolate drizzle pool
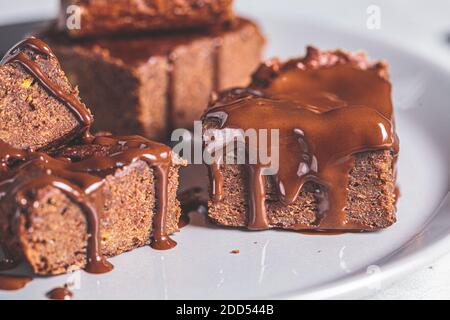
[
  {"x": 81, "y": 181},
  {"x": 328, "y": 107}
]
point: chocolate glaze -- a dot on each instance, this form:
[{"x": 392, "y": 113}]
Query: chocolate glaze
[
  {"x": 17, "y": 55},
  {"x": 62, "y": 293},
  {"x": 328, "y": 107},
  {"x": 10, "y": 282},
  {"x": 23, "y": 172},
  {"x": 82, "y": 182}
]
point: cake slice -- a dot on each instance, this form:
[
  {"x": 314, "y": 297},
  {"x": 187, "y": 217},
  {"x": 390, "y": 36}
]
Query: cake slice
[
  {"x": 39, "y": 109},
  {"x": 101, "y": 17},
  {"x": 87, "y": 197},
  {"x": 337, "y": 146},
  {"x": 89, "y": 202},
  {"x": 150, "y": 84}
]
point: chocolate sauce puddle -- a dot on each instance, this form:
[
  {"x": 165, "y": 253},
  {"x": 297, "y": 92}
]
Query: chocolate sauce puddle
[
  {"x": 11, "y": 283},
  {"x": 304, "y": 99},
  {"x": 62, "y": 293}
]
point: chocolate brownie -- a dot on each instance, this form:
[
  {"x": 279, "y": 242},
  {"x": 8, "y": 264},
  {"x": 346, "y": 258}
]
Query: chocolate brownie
[
  {"x": 102, "y": 17},
  {"x": 337, "y": 146},
  {"x": 38, "y": 106},
  {"x": 87, "y": 198},
  {"x": 151, "y": 83},
  {"x": 88, "y": 202}
]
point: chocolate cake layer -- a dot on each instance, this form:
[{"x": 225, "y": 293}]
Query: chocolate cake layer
[
  {"x": 102, "y": 17},
  {"x": 151, "y": 83},
  {"x": 39, "y": 109},
  {"x": 89, "y": 202},
  {"x": 337, "y": 146}
]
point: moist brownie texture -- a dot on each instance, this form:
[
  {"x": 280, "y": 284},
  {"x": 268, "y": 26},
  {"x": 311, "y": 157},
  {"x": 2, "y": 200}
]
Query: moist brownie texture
[
  {"x": 150, "y": 84},
  {"x": 87, "y": 197},
  {"x": 52, "y": 233},
  {"x": 31, "y": 116},
  {"x": 370, "y": 200},
  {"x": 354, "y": 189},
  {"x": 102, "y": 17}
]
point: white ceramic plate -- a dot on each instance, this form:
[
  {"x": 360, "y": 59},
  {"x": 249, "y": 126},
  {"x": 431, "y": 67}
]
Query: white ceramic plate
[{"x": 275, "y": 264}]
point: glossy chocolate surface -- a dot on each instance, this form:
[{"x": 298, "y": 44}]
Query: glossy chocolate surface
[
  {"x": 328, "y": 107},
  {"x": 23, "y": 172},
  {"x": 62, "y": 293},
  {"x": 17, "y": 55},
  {"x": 10, "y": 282}
]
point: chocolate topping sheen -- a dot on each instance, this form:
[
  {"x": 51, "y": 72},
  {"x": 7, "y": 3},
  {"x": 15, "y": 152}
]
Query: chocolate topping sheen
[
  {"x": 10, "y": 283},
  {"x": 17, "y": 55},
  {"x": 79, "y": 171},
  {"x": 62, "y": 293},
  {"x": 327, "y": 106}
]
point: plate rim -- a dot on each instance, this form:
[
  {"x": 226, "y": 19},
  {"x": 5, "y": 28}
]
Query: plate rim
[{"x": 356, "y": 285}]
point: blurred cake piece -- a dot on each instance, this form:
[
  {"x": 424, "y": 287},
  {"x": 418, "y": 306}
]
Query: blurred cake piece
[
  {"x": 82, "y": 18},
  {"x": 150, "y": 84}
]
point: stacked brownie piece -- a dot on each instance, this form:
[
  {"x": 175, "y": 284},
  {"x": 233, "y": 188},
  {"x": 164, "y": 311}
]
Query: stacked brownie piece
[
  {"x": 148, "y": 67},
  {"x": 103, "y": 17},
  {"x": 70, "y": 199}
]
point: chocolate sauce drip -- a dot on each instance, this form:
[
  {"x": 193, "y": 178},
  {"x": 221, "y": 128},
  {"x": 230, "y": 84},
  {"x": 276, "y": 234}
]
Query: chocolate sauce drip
[
  {"x": 81, "y": 179},
  {"x": 161, "y": 241},
  {"x": 10, "y": 283},
  {"x": 62, "y": 293},
  {"x": 328, "y": 107},
  {"x": 17, "y": 55},
  {"x": 155, "y": 155},
  {"x": 216, "y": 179},
  {"x": 81, "y": 188},
  {"x": 82, "y": 182}
]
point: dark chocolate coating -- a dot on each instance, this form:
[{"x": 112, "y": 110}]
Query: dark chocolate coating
[
  {"x": 79, "y": 175},
  {"x": 328, "y": 107}
]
